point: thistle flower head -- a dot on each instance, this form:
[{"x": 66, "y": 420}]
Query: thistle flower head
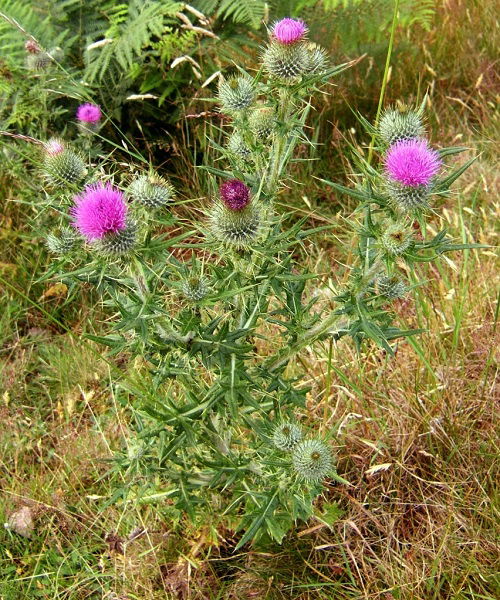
[
  {"x": 239, "y": 229},
  {"x": 61, "y": 165},
  {"x": 151, "y": 190},
  {"x": 54, "y": 147},
  {"x": 312, "y": 460},
  {"x": 63, "y": 243},
  {"x": 286, "y": 436},
  {"x": 288, "y": 31},
  {"x": 98, "y": 211},
  {"x": 412, "y": 163},
  {"x": 318, "y": 59},
  {"x": 262, "y": 122},
  {"x": 397, "y": 125},
  {"x": 32, "y": 47},
  {"x": 236, "y": 145},
  {"x": 396, "y": 239},
  {"x": 235, "y": 194},
  {"x": 286, "y": 62},
  {"x": 392, "y": 287},
  {"x": 236, "y": 93},
  {"x": 195, "y": 288},
  {"x": 88, "y": 113},
  {"x": 38, "y": 61}
]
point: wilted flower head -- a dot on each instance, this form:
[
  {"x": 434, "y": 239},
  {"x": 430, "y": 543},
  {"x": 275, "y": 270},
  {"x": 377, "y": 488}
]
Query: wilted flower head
[
  {"x": 412, "y": 162},
  {"x": 99, "y": 210},
  {"x": 235, "y": 194},
  {"x": 288, "y": 31},
  {"x": 89, "y": 113}
]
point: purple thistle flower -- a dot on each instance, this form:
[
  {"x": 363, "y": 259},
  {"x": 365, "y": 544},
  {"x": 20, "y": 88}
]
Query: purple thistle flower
[
  {"x": 412, "y": 162},
  {"x": 288, "y": 31},
  {"x": 89, "y": 113},
  {"x": 100, "y": 209},
  {"x": 235, "y": 194}
]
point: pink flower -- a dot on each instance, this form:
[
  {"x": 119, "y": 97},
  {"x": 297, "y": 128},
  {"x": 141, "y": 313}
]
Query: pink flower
[
  {"x": 235, "y": 194},
  {"x": 288, "y": 31},
  {"x": 54, "y": 147},
  {"x": 89, "y": 113},
  {"x": 412, "y": 162},
  {"x": 100, "y": 209}
]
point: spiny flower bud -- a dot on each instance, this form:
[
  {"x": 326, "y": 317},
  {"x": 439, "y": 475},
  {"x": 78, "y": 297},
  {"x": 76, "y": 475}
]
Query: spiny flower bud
[
  {"x": 318, "y": 59},
  {"x": 396, "y": 239},
  {"x": 38, "y": 61},
  {"x": 61, "y": 165},
  {"x": 262, "y": 122},
  {"x": 235, "y": 194},
  {"x": 286, "y": 62},
  {"x": 286, "y": 436},
  {"x": 288, "y": 31},
  {"x": 391, "y": 287},
  {"x": 397, "y": 125},
  {"x": 236, "y": 145},
  {"x": 151, "y": 190},
  {"x": 236, "y": 93},
  {"x": 63, "y": 243},
  {"x": 312, "y": 459},
  {"x": 120, "y": 242},
  {"x": 238, "y": 229},
  {"x": 195, "y": 288}
]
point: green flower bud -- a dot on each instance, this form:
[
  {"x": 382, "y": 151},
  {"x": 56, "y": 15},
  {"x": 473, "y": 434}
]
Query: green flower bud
[
  {"x": 151, "y": 191},
  {"x": 396, "y": 125},
  {"x": 286, "y": 436},
  {"x": 286, "y": 62},
  {"x": 312, "y": 460},
  {"x": 63, "y": 243},
  {"x": 236, "y": 93},
  {"x": 396, "y": 239}
]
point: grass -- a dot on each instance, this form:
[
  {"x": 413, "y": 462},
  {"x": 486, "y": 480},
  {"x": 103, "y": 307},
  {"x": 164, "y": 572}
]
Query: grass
[{"x": 418, "y": 441}]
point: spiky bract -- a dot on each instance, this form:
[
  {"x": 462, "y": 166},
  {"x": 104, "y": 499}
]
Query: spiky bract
[
  {"x": 318, "y": 59},
  {"x": 236, "y": 229},
  {"x": 392, "y": 287},
  {"x": 38, "y": 61},
  {"x": 396, "y": 239},
  {"x": 262, "y": 122},
  {"x": 151, "y": 190},
  {"x": 236, "y": 93},
  {"x": 237, "y": 146},
  {"x": 286, "y": 436},
  {"x": 406, "y": 198},
  {"x": 312, "y": 460},
  {"x": 63, "y": 243},
  {"x": 397, "y": 125},
  {"x": 62, "y": 166},
  {"x": 195, "y": 288},
  {"x": 118, "y": 243},
  {"x": 286, "y": 62}
]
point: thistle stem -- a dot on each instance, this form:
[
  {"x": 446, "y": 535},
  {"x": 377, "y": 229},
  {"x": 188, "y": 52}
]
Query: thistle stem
[{"x": 385, "y": 77}]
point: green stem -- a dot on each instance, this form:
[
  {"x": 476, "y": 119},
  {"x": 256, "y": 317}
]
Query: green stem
[{"x": 386, "y": 76}]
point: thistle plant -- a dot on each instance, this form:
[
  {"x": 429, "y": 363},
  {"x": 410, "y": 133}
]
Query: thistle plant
[{"x": 215, "y": 416}]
